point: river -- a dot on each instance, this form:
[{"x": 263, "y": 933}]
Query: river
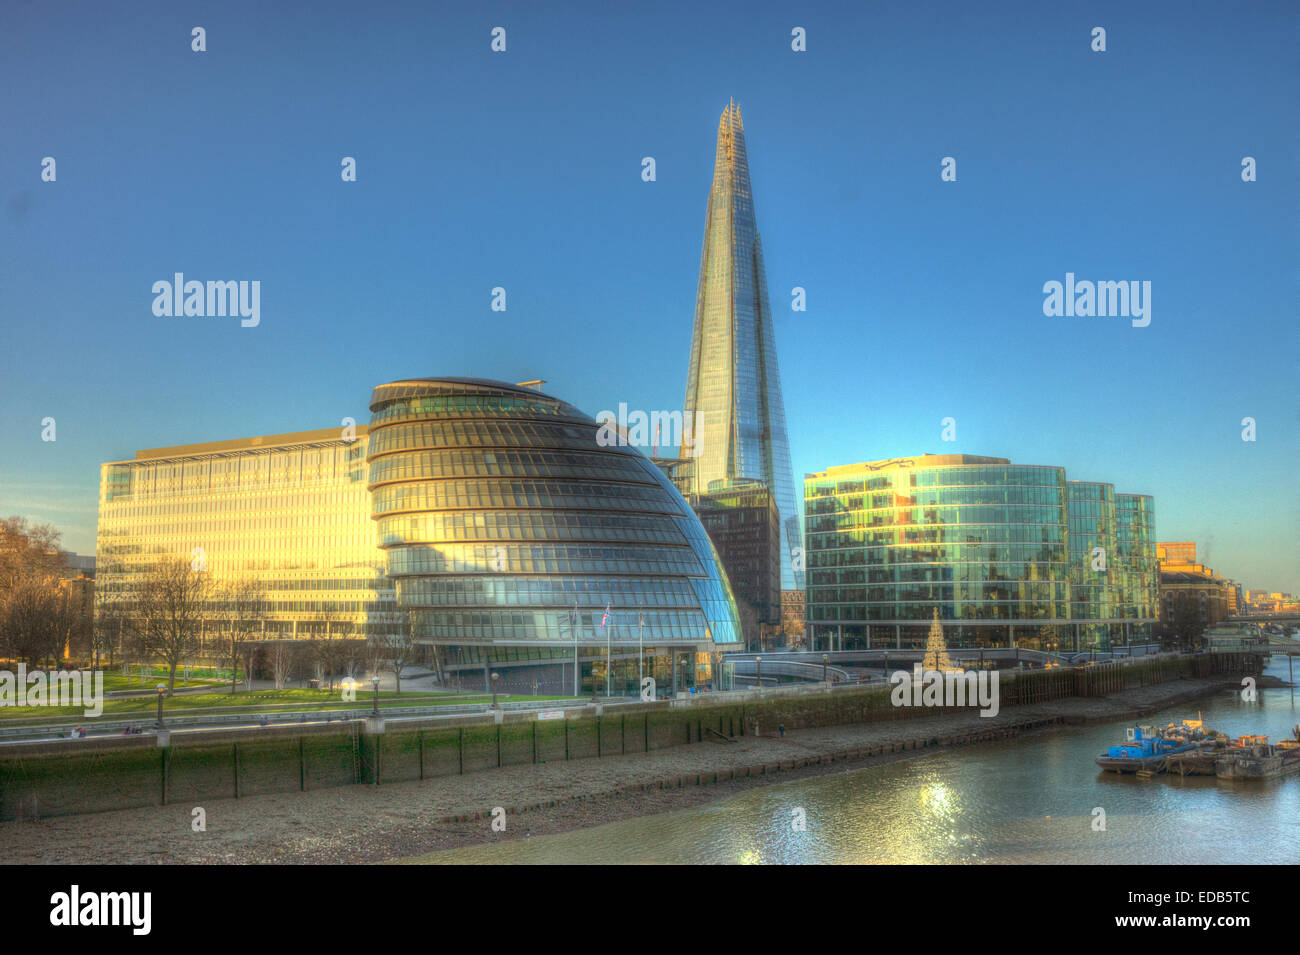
[{"x": 1032, "y": 800}]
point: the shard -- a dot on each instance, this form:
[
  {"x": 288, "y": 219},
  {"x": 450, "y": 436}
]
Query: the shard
[{"x": 734, "y": 388}]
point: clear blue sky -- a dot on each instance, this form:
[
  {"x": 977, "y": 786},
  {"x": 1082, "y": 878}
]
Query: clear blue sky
[{"x": 523, "y": 169}]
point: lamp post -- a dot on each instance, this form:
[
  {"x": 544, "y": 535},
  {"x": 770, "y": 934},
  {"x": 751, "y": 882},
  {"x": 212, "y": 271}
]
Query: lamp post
[
  {"x": 162, "y": 689},
  {"x": 495, "y": 676},
  {"x": 825, "y": 661},
  {"x": 758, "y": 659},
  {"x": 374, "y": 682}
]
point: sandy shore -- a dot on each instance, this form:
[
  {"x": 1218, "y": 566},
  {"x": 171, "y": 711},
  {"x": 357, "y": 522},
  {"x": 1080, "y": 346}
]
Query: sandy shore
[{"x": 377, "y": 824}]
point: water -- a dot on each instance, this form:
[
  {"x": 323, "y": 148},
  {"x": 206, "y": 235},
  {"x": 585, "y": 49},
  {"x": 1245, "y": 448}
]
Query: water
[{"x": 1027, "y": 801}]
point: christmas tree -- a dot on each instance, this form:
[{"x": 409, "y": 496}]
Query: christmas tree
[{"x": 936, "y": 652}]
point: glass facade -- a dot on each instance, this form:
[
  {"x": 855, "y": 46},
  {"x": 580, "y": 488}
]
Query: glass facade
[
  {"x": 1003, "y": 551},
  {"x": 1139, "y": 570},
  {"x": 288, "y": 512},
  {"x": 509, "y": 530},
  {"x": 733, "y": 386},
  {"x": 744, "y": 524},
  {"x": 1094, "y": 555}
]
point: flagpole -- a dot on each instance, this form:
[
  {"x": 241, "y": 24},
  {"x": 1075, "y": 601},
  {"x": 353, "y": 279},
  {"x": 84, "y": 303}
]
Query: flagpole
[
  {"x": 608, "y": 630},
  {"x": 640, "y": 652},
  {"x": 573, "y": 624}
]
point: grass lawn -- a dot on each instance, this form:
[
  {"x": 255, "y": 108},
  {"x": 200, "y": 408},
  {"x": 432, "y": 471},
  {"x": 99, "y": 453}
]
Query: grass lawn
[
  {"x": 113, "y": 680},
  {"x": 269, "y": 701}
]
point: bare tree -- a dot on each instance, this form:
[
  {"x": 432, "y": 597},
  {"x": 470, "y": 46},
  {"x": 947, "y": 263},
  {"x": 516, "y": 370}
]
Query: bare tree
[
  {"x": 31, "y": 618},
  {"x": 174, "y": 596},
  {"x": 332, "y": 648},
  {"x": 241, "y": 612},
  {"x": 398, "y": 648},
  {"x": 30, "y": 562},
  {"x": 283, "y": 656}
]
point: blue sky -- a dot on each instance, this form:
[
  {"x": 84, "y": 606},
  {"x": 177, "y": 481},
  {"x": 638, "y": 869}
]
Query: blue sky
[{"x": 522, "y": 169}]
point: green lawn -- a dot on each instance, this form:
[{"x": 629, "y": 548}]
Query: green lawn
[
  {"x": 269, "y": 701},
  {"x": 114, "y": 681}
]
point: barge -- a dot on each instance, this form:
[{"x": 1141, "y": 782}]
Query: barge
[{"x": 1146, "y": 749}]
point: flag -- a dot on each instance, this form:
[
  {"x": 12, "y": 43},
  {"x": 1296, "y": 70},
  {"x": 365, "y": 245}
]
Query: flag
[{"x": 605, "y": 619}]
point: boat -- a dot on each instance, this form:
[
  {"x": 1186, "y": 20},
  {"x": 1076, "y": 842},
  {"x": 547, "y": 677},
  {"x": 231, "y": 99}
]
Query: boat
[
  {"x": 1252, "y": 757},
  {"x": 1146, "y": 749}
]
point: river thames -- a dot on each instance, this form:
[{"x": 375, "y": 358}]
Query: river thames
[{"x": 1039, "y": 799}]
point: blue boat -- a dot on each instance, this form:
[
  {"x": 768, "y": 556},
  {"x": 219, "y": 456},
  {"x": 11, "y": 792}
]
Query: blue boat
[{"x": 1146, "y": 749}]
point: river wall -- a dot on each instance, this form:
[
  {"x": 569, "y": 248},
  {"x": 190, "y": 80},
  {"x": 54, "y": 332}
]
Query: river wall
[{"x": 74, "y": 776}]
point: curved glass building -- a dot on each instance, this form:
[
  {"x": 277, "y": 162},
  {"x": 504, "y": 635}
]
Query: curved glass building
[
  {"x": 1002, "y": 551},
  {"x": 519, "y": 542}
]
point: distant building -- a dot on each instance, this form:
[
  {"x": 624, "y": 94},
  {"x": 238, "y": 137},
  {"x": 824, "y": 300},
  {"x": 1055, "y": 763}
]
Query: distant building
[
  {"x": 1010, "y": 555},
  {"x": 1176, "y": 552},
  {"x": 794, "y": 616},
  {"x": 744, "y": 523}
]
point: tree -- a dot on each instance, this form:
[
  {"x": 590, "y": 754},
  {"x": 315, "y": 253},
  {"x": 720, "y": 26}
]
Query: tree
[
  {"x": 173, "y": 598},
  {"x": 31, "y": 618},
  {"x": 30, "y": 563},
  {"x": 332, "y": 649},
  {"x": 283, "y": 656},
  {"x": 400, "y": 647},
  {"x": 936, "y": 648},
  {"x": 241, "y": 610}
]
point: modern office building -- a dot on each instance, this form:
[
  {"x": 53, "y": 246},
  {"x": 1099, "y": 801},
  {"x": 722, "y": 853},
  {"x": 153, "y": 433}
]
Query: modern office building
[
  {"x": 1139, "y": 570},
  {"x": 733, "y": 386},
  {"x": 1094, "y": 552},
  {"x": 481, "y": 515},
  {"x": 288, "y": 512},
  {"x": 744, "y": 523},
  {"x": 517, "y": 540},
  {"x": 986, "y": 542}
]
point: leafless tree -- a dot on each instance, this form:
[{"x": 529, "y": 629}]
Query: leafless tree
[
  {"x": 333, "y": 647},
  {"x": 283, "y": 655},
  {"x": 240, "y": 610},
  {"x": 398, "y": 647},
  {"x": 174, "y": 596}
]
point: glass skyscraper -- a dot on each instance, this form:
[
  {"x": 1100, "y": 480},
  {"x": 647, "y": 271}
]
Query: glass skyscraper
[{"x": 733, "y": 387}]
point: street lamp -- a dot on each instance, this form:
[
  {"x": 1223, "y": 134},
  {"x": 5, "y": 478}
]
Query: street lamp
[
  {"x": 758, "y": 682},
  {"x": 162, "y": 688},
  {"x": 374, "y": 682},
  {"x": 495, "y": 676},
  {"x": 825, "y": 660}
]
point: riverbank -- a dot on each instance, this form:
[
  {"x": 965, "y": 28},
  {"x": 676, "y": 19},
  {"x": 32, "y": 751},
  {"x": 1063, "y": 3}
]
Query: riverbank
[{"x": 391, "y": 822}]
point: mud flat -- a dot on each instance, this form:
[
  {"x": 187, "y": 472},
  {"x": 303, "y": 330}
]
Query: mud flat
[{"x": 359, "y": 824}]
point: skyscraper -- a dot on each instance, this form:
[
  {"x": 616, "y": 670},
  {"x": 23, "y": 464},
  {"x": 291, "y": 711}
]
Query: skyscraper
[{"x": 733, "y": 387}]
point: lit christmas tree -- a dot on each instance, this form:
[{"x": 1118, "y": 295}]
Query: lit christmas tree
[{"x": 936, "y": 650}]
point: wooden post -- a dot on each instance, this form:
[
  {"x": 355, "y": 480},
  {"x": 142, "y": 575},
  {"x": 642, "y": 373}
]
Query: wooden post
[
  {"x": 165, "y": 753},
  {"x": 235, "y": 748},
  {"x": 420, "y": 738},
  {"x": 302, "y": 764},
  {"x": 534, "y": 742},
  {"x": 499, "y": 725},
  {"x": 566, "y": 738}
]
